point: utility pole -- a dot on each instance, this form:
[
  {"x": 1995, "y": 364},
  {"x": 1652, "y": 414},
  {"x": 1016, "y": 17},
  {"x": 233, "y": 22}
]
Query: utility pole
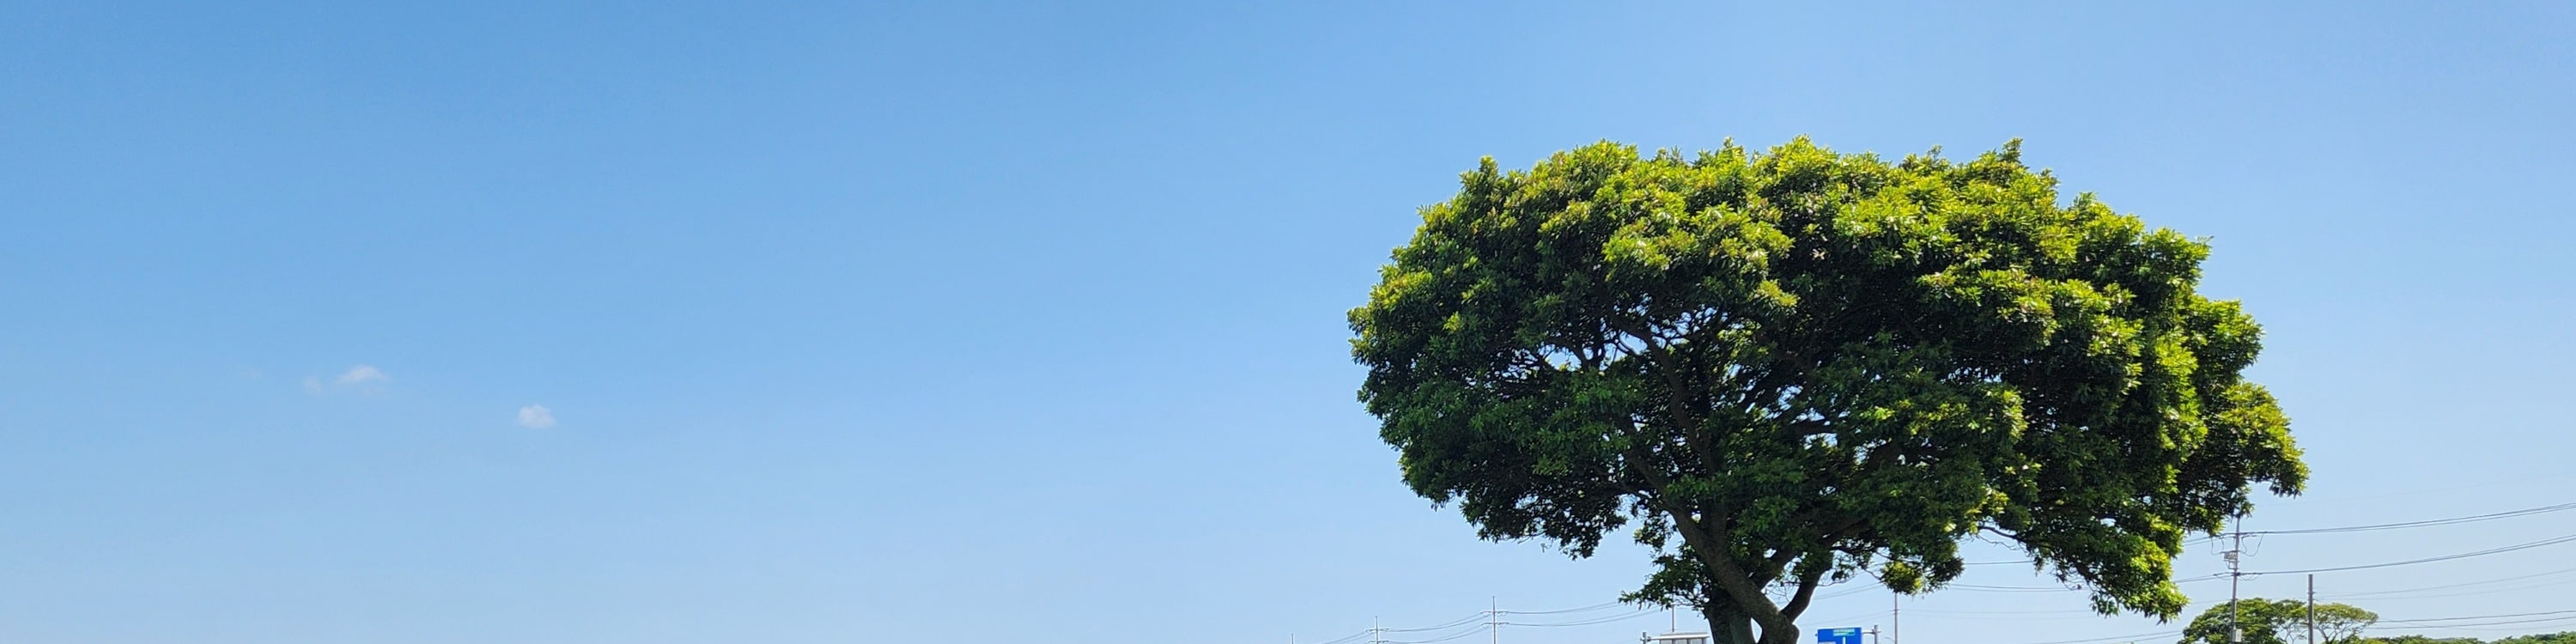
[
  {"x": 2235, "y": 633},
  {"x": 1873, "y": 634},
  {"x": 1895, "y": 618},
  {"x": 2312, "y": 608},
  {"x": 1494, "y": 618},
  {"x": 1374, "y": 632}
]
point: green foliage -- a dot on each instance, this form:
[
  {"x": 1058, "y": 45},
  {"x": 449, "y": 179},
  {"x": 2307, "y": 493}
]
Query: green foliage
[
  {"x": 1809, "y": 365},
  {"x": 2419, "y": 639},
  {"x": 2550, "y": 638},
  {"x": 2278, "y": 621}
]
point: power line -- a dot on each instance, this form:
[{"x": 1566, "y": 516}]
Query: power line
[
  {"x": 1351, "y": 637},
  {"x": 1470, "y": 619},
  {"x": 2512, "y": 621},
  {"x": 2429, "y": 622},
  {"x": 1841, "y": 593},
  {"x": 2012, "y": 562},
  {"x": 1444, "y": 638},
  {"x": 2459, "y": 585},
  {"x": 2425, "y": 523},
  {"x": 2514, "y": 626},
  {"x": 1588, "y": 622},
  {"x": 2468, "y": 622},
  {"x": 2060, "y": 589},
  {"x": 1585, "y": 609},
  {"x": 1843, "y": 618},
  {"x": 2464, "y": 555},
  {"x": 1485, "y": 619},
  {"x": 2472, "y": 617},
  {"x": 2409, "y": 593},
  {"x": 2069, "y": 611},
  {"x": 1491, "y": 618},
  {"x": 2008, "y": 589}
]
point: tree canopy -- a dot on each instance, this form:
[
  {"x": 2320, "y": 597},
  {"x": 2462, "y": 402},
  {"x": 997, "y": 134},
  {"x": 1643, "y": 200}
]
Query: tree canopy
[
  {"x": 1787, "y": 368},
  {"x": 2568, "y": 637},
  {"x": 2278, "y": 621}
]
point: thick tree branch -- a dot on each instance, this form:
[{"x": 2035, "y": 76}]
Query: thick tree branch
[
  {"x": 1806, "y": 591},
  {"x": 1710, "y": 544},
  {"x": 1690, "y": 423}
]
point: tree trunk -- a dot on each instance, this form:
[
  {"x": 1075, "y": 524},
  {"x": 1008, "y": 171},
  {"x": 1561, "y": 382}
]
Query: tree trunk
[
  {"x": 1726, "y": 623},
  {"x": 1787, "y": 635}
]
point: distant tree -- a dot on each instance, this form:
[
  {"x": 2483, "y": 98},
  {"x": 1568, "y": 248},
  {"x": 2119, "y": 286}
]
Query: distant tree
[
  {"x": 1788, "y": 369},
  {"x": 2419, "y": 639},
  {"x": 2551, "y": 638},
  {"x": 2279, "y": 621}
]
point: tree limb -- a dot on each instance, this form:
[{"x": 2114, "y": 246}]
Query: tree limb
[
  {"x": 1710, "y": 545},
  {"x": 1806, "y": 591}
]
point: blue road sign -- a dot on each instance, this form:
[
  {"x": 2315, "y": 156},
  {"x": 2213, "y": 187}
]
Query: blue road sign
[{"x": 1838, "y": 636}]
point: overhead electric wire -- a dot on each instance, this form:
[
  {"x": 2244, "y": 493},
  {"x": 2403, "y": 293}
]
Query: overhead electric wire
[
  {"x": 1588, "y": 622},
  {"x": 1475, "y": 623},
  {"x": 2045, "y": 589},
  {"x": 2417, "y": 593},
  {"x": 2523, "y": 624},
  {"x": 2463, "y": 622},
  {"x": 2188, "y": 543},
  {"x": 2520, "y": 625},
  {"x": 1585, "y": 609},
  {"x": 2424, "y": 523},
  {"x": 1463, "y": 627},
  {"x": 2005, "y": 612},
  {"x": 1998, "y": 563},
  {"x": 2524, "y": 629},
  {"x": 2472, "y": 593},
  {"x": 1847, "y": 618},
  {"x": 2458, "y": 585},
  {"x": 1841, "y": 593},
  {"x": 2570, "y": 613},
  {"x": 1477, "y": 618},
  {"x": 2008, "y": 589},
  {"x": 1491, "y": 618},
  {"x": 1443, "y": 638},
  {"x": 2513, "y": 622},
  {"x": 1348, "y": 638},
  {"x": 2464, "y": 555}
]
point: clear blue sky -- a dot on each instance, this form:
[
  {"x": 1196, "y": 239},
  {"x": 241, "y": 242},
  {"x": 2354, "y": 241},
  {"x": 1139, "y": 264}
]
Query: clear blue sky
[{"x": 1000, "y": 323}]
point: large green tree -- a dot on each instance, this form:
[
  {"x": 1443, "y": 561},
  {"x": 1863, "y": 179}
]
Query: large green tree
[
  {"x": 1784, "y": 369},
  {"x": 2277, "y": 621}
]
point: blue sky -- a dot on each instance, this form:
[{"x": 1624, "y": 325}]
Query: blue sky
[{"x": 996, "y": 322}]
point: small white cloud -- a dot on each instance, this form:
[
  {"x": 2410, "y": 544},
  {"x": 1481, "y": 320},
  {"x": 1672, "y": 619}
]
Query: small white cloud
[
  {"x": 313, "y": 386},
  {"x": 536, "y": 417},
  {"x": 362, "y": 373}
]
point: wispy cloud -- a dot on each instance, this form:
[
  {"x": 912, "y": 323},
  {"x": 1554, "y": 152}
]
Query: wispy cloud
[
  {"x": 536, "y": 417},
  {"x": 362, "y": 373},
  {"x": 363, "y": 379}
]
